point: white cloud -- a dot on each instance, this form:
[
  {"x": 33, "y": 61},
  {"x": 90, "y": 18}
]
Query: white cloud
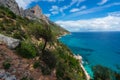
[
  {"x": 74, "y": 10},
  {"x": 109, "y": 23},
  {"x": 102, "y": 2},
  {"x": 50, "y": 0},
  {"x": 78, "y": 9},
  {"x": 54, "y": 10},
  {"x": 117, "y": 14},
  {"x": 48, "y": 15},
  {"x": 25, "y": 3},
  {"x": 61, "y": 9},
  {"x": 77, "y": 2},
  {"x": 92, "y": 10},
  {"x": 80, "y": 1},
  {"x": 83, "y": 7}
]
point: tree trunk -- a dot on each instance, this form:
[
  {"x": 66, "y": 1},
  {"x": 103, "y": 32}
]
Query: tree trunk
[{"x": 44, "y": 46}]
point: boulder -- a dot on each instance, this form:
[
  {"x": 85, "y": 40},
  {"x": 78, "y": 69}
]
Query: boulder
[{"x": 10, "y": 42}]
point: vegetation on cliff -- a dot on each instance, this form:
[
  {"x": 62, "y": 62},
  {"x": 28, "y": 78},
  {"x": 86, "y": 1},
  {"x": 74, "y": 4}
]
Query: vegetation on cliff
[
  {"x": 39, "y": 43},
  {"x": 104, "y": 73}
]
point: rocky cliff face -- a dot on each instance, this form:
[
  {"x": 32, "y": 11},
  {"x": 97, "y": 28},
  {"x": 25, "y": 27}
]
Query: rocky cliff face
[
  {"x": 31, "y": 13},
  {"x": 35, "y": 13},
  {"x": 12, "y": 5}
]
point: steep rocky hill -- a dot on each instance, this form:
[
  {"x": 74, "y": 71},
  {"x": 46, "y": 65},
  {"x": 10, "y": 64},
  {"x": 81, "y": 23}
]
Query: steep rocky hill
[
  {"x": 34, "y": 12},
  {"x": 31, "y": 13},
  {"x": 12, "y": 5},
  {"x": 39, "y": 55}
]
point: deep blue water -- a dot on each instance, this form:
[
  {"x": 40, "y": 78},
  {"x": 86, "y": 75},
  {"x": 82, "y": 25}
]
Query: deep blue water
[{"x": 96, "y": 48}]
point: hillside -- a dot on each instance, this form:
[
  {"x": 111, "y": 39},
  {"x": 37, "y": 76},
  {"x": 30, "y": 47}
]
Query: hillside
[{"x": 40, "y": 56}]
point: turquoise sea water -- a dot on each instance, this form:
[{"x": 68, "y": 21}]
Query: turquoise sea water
[{"x": 96, "y": 48}]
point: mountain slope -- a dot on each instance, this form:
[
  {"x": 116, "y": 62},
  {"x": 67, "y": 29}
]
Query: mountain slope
[
  {"x": 46, "y": 57},
  {"x": 12, "y": 5}
]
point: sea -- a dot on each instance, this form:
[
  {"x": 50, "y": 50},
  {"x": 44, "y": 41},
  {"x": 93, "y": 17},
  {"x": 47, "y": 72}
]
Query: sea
[{"x": 96, "y": 48}]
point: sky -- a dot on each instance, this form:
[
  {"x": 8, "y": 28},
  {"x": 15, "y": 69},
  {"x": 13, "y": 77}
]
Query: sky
[{"x": 80, "y": 15}]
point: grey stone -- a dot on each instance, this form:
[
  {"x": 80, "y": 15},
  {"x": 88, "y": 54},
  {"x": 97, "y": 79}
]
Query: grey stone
[
  {"x": 6, "y": 75},
  {"x": 10, "y": 42},
  {"x": 2, "y": 73},
  {"x": 12, "y": 5},
  {"x": 11, "y": 78},
  {"x": 31, "y": 13},
  {"x": 35, "y": 13}
]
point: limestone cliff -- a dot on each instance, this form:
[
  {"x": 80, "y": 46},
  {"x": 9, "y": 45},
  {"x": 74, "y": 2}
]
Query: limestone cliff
[
  {"x": 39, "y": 56},
  {"x": 12, "y": 5},
  {"x": 35, "y": 13},
  {"x": 31, "y": 13}
]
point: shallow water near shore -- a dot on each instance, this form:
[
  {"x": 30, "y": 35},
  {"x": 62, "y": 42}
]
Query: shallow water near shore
[{"x": 96, "y": 48}]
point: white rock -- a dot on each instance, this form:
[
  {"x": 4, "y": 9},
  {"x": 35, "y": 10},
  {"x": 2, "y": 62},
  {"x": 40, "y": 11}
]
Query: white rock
[
  {"x": 2, "y": 73},
  {"x": 11, "y": 78},
  {"x": 78, "y": 57},
  {"x": 10, "y": 42}
]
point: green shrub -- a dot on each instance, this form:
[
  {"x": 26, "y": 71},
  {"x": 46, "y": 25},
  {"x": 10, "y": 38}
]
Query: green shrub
[
  {"x": 27, "y": 49},
  {"x": 45, "y": 70},
  {"x": 17, "y": 35},
  {"x": 8, "y": 12},
  {"x": 104, "y": 73},
  {"x": 35, "y": 31},
  {"x": 60, "y": 71},
  {"x": 36, "y": 64},
  {"x": 67, "y": 67},
  {"x": 117, "y": 75},
  {"x": 20, "y": 35},
  {"x": 41, "y": 45},
  {"x": 6, "y": 65},
  {"x": 49, "y": 59},
  {"x": 73, "y": 62},
  {"x": 26, "y": 78},
  {"x": 1, "y": 26}
]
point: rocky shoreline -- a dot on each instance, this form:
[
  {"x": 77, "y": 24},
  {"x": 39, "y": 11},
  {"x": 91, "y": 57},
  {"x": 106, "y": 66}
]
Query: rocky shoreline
[{"x": 78, "y": 57}]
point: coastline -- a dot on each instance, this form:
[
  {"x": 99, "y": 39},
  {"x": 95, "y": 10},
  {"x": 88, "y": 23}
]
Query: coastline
[
  {"x": 78, "y": 57},
  {"x": 63, "y": 35}
]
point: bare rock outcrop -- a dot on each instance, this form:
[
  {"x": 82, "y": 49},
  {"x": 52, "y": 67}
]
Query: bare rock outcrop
[
  {"x": 12, "y": 5},
  {"x": 31, "y": 13},
  {"x": 10, "y": 42},
  {"x": 35, "y": 13}
]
